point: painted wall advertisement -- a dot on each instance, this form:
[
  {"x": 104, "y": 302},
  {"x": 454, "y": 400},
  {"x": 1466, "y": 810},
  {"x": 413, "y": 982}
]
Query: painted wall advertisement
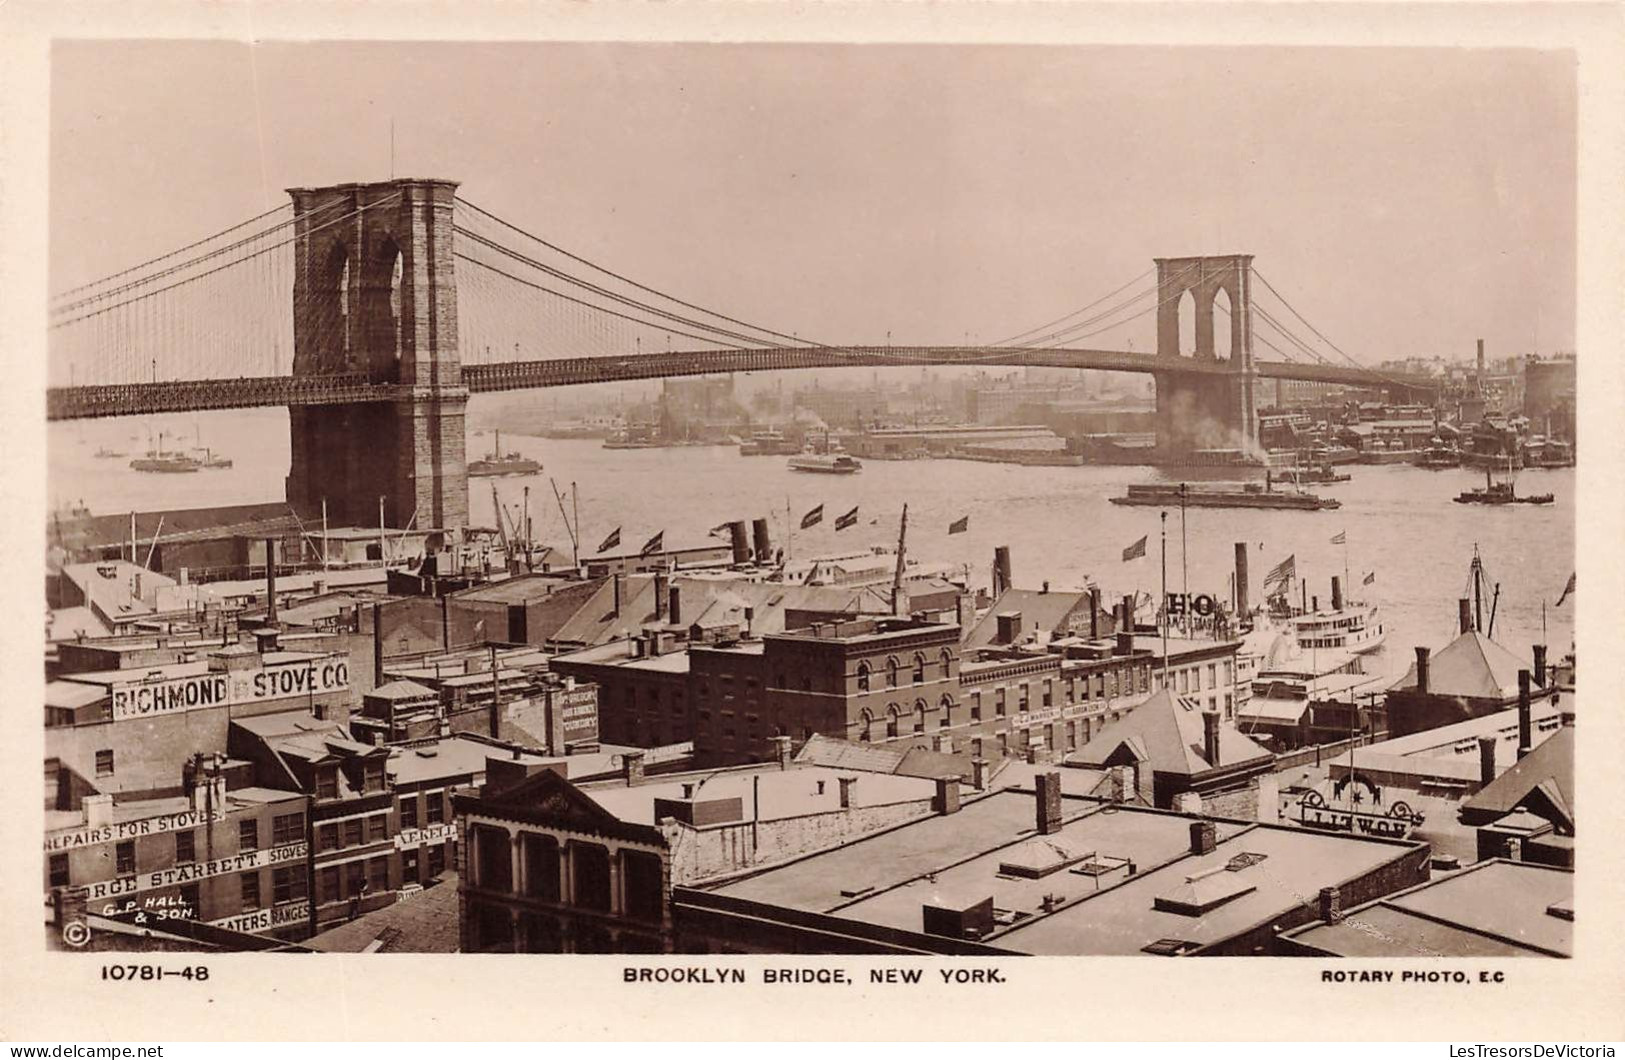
[
  {"x": 312, "y": 677},
  {"x": 284, "y": 915},
  {"x": 180, "y": 874}
]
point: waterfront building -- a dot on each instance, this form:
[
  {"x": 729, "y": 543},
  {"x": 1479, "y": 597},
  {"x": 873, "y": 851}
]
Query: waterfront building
[{"x": 1468, "y": 678}]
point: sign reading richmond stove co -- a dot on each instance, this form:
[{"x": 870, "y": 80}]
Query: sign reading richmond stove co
[
  {"x": 145, "y": 699},
  {"x": 146, "y": 881}
]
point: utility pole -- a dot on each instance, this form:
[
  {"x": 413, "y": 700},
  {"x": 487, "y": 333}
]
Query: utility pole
[
  {"x": 1184, "y": 566},
  {"x": 1163, "y": 622}
]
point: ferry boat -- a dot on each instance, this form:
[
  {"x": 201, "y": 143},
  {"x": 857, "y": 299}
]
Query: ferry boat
[
  {"x": 768, "y": 442},
  {"x": 826, "y": 463},
  {"x": 496, "y": 462},
  {"x": 1318, "y": 475},
  {"x": 1438, "y": 456},
  {"x": 1355, "y": 627},
  {"x": 1502, "y": 492},
  {"x": 1249, "y": 495}
]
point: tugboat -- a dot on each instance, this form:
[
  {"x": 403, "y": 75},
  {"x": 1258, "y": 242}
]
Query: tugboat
[
  {"x": 1500, "y": 493},
  {"x": 496, "y": 462},
  {"x": 161, "y": 462},
  {"x": 1438, "y": 456},
  {"x": 768, "y": 442}
]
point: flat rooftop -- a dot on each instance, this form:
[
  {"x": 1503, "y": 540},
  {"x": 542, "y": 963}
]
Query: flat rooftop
[{"x": 766, "y": 792}]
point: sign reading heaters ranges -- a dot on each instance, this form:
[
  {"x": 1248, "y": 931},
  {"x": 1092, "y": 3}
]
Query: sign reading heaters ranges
[{"x": 302, "y": 677}]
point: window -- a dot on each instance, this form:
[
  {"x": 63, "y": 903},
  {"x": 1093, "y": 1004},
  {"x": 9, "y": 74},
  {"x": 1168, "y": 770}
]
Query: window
[
  {"x": 1004, "y": 742},
  {"x": 287, "y": 828},
  {"x": 354, "y": 832},
  {"x": 919, "y": 668},
  {"x": 437, "y": 860},
  {"x": 998, "y": 702},
  {"x": 891, "y": 672},
  {"x": 947, "y": 659},
  {"x": 1212, "y": 675},
  {"x": 372, "y": 776},
  {"x": 248, "y": 834},
  {"x": 185, "y": 847},
  {"x": 59, "y": 870},
  {"x": 250, "y": 883},
  {"x": 976, "y": 706},
  {"x": 191, "y": 901},
  {"x": 378, "y": 874},
  {"x": 104, "y": 763},
  {"x": 947, "y": 708},
  {"x": 328, "y": 834},
  {"x": 409, "y": 811},
  {"x": 327, "y": 885},
  {"x": 377, "y": 827},
  {"x": 1229, "y": 705},
  {"x": 124, "y": 857},
  {"x": 891, "y": 720},
  {"x": 355, "y": 877},
  {"x": 863, "y": 677},
  {"x": 327, "y": 783},
  {"x": 919, "y": 715},
  {"x": 1049, "y": 692},
  {"x": 437, "y": 808},
  {"x": 287, "y": 884},
  {"x": 1025, "y": 703},
  {"x": 866, "y": 724},
  {"x": 1111, "y": 684}
]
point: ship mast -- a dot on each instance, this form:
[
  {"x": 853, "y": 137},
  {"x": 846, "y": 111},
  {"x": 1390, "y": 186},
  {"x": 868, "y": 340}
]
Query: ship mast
[{"x": 897, "y": 576}]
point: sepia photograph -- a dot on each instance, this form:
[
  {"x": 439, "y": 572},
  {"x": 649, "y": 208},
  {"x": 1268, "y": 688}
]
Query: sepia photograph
[{"x": 701, "y": 499}]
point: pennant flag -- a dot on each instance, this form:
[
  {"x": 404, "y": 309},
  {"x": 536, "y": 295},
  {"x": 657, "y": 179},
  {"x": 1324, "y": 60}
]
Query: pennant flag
[
  {"x": 653, "y": 545},
  {"x": 1568, "y": 590},
  {"x": 960, "y": 525},
  {"x": 612, "y": 541},
  {"x": 720, "y": 530},
  {"x": 812, "y": 518},
  {"x": 1135, "y": 551},
  {"x": 849, "y": 519},
  {"x": 1369, "y": 578},
  {"x": 1341, "y": 538},
  {"x": 1282, "y": 572}
]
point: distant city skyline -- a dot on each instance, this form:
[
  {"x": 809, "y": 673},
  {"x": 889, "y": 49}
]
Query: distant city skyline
[{"x": 1407, "y": 201}]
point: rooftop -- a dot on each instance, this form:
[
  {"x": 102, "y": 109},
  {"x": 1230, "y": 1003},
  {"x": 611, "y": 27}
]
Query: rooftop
[
  {"x": 1168, "y": 731},
  {"x": 1039, "y": 610},
  {"x": 1473, "y": 666},
  {"x": 1546, "y": 773},
  {"x": 453, "y": 756},
  {"x": 423, "y": 923},
  {"x": 782, "y": 793}
]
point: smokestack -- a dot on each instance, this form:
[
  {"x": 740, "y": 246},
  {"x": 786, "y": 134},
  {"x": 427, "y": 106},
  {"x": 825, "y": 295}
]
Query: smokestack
[
  {"x": 617, "y": 579},
  {"x": 1525, "y": 737},
  {"x": 1540, "y": 666},
  {"x": 740, "y": 539},
  {"x": 660, "y": 596},
  {"x": 1210, "y": 738},
  {"x": 763, "y": 543},
  {"x": 270, "y": 579},
  {"x": 1337, "y": 593},
  {"x": 1464, "y": 614},
  {"x": 1486, "y": 760},
  {"x": 1421, "y": 670},
  {"x": 1481, "y": 364},
  {"x": 1001, "y": 569},
  {"x": 1094, "y": 614},
  {"x": 676, "y": 606},
  {"x": 1128, "y": 613},
  {"x": 377, "y": 648},
  {"x": 1049, "y": 803},
  {"x": 1241, "y": 578},
  {"x": 1314, "y": 604}
]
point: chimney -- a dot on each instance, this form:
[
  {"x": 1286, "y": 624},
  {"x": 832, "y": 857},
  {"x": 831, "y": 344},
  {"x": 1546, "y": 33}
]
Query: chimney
[
  {"x": 1540, "y": 666},
  {"x": 632, "y": 767},
  {"x": 739, "y": 537},
  {"x": 676, "y": 608},
  {"x": 660, "y": 596},
  {"x": 1337, "y": 593},
  {"x": 1464, "y": 613},
  {"x": 1049, "y": 803},
  {"x": 947, "y": 799},
  {"x": 1331, "y": 905},
  {"x": 1514, "y": 848},
  {"x": 1241, "y": 577},
  {"x": 270, "y": 580},
  {"x": 1009, "y": 626},
  {"x": 750, "y": 618},
  {"x": 1525, "y": 737},
  {"x": 1045, "y": 589},
  {"x": 616, "y": 578},
  {"x": 1128, "y": 613},
  {"x": 846, "y": 790},
  {"x": 1210, "y": 738},
  {"x": 764, "y": 544},
  {"x": 1421, "y": 670},
  {"x": 1204, "y": 837},
  {"x": 978, "y": 773},
  {"x": 1001, "y": 570},
  {"x": 1094, "y": 614},
  {"x": 1486, "y": 760},
  {"x": 98, "y": 811},
  {"x": 1120, "y": 783},
  {"x": 781, "y": 751},
  {"x": 1125, "y": 644}
]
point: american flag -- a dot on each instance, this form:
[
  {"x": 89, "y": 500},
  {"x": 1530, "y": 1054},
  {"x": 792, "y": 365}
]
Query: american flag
[{"x": 1282, "y": 572}]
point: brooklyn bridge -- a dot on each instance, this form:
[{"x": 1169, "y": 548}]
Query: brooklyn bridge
[{"x": 373, "y": 311}]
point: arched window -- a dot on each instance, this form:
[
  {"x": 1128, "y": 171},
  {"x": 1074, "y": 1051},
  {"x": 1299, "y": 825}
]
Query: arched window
[
  {"x": 1187, "y": 323},
  {"x": 863, "y": 677},
  {"x": 1222, "y": 326},
  {"x": 891, "y": 671},
  {"x": 919, "y": 715},
  {"x": 919, "y": 668},
  {"x": 945, "y": 719},
  {"x": 947, "y": 663},
  {"x": 891, "y": 720},
  {"x": 867, "y": 723}
]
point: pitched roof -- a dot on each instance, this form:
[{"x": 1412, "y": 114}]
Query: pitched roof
[
  {"x": 423, "y": 923},
  {"x": 1548, "y": 769},
  {"x": 1039, "y": 610},
  {"x": 1473, "y": 666},
  {"x": 401, "y": 689},
  {"x": 1167, "y": 730}
]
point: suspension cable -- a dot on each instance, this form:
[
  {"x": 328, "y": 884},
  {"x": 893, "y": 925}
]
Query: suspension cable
[
  {"x": 171, "y": 254},
  {"x": 1306, "y": 323},
  {"x": 1075, "y": 312}
]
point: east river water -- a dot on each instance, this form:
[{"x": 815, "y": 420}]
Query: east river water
[{"x": 1401, "y": 522}]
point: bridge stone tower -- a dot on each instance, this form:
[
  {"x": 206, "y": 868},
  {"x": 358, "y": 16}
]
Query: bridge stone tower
[
  {"x": 375, "y": 294},
  {"x": 1203, "y": 401}
]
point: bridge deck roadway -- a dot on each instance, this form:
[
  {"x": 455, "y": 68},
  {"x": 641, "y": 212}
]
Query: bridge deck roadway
[{"x": 139, "y": 399}]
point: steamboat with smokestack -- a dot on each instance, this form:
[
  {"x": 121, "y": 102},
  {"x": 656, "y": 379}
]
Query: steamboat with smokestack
[{"x": 1225, "y": 495}]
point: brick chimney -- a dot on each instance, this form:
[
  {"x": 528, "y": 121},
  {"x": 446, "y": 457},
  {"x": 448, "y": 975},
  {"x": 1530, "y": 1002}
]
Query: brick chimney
[
  {"x": 1125, "y": 644},
  {"x": 1421, "y": 670},
  {"x": 1210, "y": 738},
  {"x": 947, "y": 798},
  {"x": 676, "y": 609},
  {"x": 660, "y": 596},
  {"x": 1009, "y": 626},
  {"x": 1094, "y": 614},
  {"x": 978, "y": 774},
  {"x": 1331, "y": 905},
  {"x": 632, "y": 767},
  {"x": 1049, "y": 803},
  {"x": 781, "y": 751},
  {"x": 1540, "y": 666},
  {"x": 750, "y": 620},
  {"x": 1486, "y": 760},
  {"x": 846, "y": 784},
  {"x": 1526, "y": 742},
  {"x": 1204, "y": 837},
  {"x": 1122, "y": 782},
  {"x": 1128, "y": 613}
]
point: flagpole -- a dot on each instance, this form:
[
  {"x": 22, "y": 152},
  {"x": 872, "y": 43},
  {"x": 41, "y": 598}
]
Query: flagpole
[
  {"x": 1347, "y": 585},
  {"x": 1163, "y": 622},
  {"x": 1184, "y": 565}
]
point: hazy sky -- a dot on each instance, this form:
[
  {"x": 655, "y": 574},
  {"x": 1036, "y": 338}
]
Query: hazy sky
[{"x": 1406, "y": 201}]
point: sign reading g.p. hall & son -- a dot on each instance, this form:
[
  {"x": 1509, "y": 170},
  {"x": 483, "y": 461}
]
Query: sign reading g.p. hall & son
[{"x": 301, "y": 677}]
